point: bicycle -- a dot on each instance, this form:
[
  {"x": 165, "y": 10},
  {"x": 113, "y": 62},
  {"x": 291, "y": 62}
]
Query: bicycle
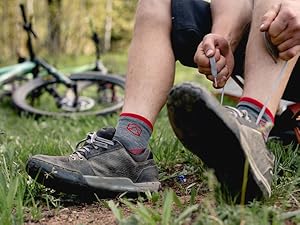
[{"x": 49, "y": 92}]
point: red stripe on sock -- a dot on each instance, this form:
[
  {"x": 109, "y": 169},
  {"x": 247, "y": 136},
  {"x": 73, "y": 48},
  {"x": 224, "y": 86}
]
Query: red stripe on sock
[
  {"x": 136, "y": 151},
  {"x": 258, "y": 104},
  {"x": 136, "y": 116}
]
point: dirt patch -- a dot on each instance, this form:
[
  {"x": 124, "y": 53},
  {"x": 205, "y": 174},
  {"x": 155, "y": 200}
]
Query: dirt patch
[
  {"x": 77, "y": 214},
  {"x": 74, "y": 212}
]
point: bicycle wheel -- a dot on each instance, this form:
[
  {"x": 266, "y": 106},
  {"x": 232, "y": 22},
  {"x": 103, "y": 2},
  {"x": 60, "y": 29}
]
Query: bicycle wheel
[{"x": 98, "y": 94}]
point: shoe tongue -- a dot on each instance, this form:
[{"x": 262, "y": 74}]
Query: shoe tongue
[{"x": 107, "y": 132}]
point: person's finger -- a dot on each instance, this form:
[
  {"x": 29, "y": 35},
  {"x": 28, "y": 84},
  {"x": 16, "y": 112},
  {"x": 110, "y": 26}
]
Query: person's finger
[
  {"x": 220, "y": 63},
  {"x": 204, "y": 70},
  {"x": 269, "y": 17},
  {"x": 223, "y": 46},
  {"x": 290, "y": 53},
  {"x": 210, "y": 77},
  {"x": 222, "y": 77},
  {"x": 217, "y": 54},
  {"x": 209, "y": 46},
  {"x": 282, "y": 37},
  {"x": 224, "y": 74},
  {"x": 279, "y": 24},
  {"x": 284, "y": 46},
  {"x": 202, "y": 60}
]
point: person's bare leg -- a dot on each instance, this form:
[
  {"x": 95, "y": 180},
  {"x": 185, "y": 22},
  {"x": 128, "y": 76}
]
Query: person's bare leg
[
  {"x": 151, "y": 63},
  {"x": 261, "y": 71},
  {"x": 149, "y": 78}
]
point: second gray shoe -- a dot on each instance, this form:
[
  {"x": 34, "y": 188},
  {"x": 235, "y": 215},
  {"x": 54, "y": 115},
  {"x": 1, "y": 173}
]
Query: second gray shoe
[{"x": 223, "y": 137}]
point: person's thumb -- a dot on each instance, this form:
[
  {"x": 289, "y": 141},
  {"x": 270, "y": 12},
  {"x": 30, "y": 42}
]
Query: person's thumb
[
  {"x": 209, "y": 46},
  {"x": 269, "y": 17}
]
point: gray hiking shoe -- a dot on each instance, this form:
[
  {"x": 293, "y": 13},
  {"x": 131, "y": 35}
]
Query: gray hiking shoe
[
  {"x": 223, "y": 137},
  {"x": 99, "y": 165}
]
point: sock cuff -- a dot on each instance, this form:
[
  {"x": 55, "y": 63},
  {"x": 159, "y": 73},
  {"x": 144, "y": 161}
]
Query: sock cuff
[
  {"x": 258, "y": 104},
  {"x": 139, "y": 117}
]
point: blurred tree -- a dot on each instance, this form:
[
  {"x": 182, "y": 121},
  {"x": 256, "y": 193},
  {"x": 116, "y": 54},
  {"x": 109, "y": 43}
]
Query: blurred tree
[
  {"x": 108, "y": 25},
  {"x": 54, "y": 21},
  {"x": 63, "y": 26},
  {"x": 8, "y": 29},
  {"x": 123, "y": 17}
]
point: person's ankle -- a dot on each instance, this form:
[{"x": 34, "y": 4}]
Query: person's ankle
[{"x": 133, "y": 132}]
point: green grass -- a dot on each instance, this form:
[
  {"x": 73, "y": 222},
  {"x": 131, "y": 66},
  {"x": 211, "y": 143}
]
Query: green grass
[{"x": 196, "y": 201}]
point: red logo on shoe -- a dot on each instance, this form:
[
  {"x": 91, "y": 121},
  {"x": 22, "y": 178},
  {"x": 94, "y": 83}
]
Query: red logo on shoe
[{"x": 134, "y": 129}]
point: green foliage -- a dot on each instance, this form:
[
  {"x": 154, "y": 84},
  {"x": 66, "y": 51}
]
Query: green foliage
[
  {"x": 65, "y": 27},
  {"x": 167, "y": 210}
]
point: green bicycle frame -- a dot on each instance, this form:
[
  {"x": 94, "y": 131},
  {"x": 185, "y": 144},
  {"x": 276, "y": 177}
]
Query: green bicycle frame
[{"x": 9, "y": 73}]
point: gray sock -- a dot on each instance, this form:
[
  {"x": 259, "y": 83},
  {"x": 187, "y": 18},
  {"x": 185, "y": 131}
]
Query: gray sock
[
  {"x": 134, "y": 132},
  {"x": 253, "y": 107}
]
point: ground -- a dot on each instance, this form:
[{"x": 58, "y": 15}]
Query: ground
[{"x": 75, "y": 212}]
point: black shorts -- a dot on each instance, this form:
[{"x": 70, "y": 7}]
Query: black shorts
[{"x": 191, "y": 21}]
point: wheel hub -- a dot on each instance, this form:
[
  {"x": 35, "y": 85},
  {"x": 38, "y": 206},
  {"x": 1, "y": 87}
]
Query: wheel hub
[{"x": 83, "y": 104}]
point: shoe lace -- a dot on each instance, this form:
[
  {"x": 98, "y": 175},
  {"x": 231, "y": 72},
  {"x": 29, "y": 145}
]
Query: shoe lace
[
  {"x": 239, "y": 113},
  {"x": 90, "y": 143},
  {"x": 264, "y": 128}
]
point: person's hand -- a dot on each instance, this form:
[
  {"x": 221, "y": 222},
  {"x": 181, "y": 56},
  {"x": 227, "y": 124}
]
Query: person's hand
[
  {"x": 282, "y": 22},
  {"x": 214, "y": 45}
]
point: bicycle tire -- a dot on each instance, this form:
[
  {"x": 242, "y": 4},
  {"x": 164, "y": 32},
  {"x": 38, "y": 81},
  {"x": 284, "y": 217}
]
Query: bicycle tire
[{"x": 23, "y": 93}]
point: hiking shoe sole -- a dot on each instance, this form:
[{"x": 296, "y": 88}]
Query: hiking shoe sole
[{"x": 205, "y": 128}]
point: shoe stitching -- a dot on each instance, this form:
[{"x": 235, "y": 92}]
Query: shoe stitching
[
  {"x": 138, "y": 177},
  {"x": 259, "y": 174},
  {"x": 57, "y": 166}
]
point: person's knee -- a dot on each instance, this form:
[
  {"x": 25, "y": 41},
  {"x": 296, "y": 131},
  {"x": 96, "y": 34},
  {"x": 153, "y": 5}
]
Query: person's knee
[{"x": 156, "y": 12}]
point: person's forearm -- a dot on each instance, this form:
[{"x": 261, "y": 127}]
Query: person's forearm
[{"x": 230, "y": 18}]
